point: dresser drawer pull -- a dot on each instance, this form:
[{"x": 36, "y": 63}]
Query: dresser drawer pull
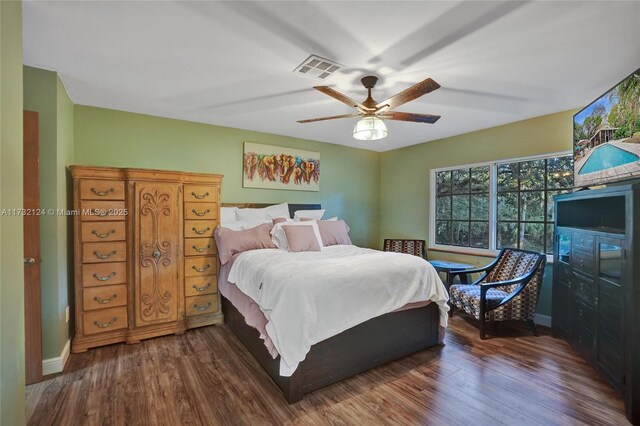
[
  {"x": 200, "y": 269},
  {"x": 105, "y": 235},
  {"x": 105, "y": 301},
  {"x": 102, "y": 193},
  {"x": 200, "y": 197},
  {"x": 197, "y": 213},
  {"x": 201, "y": 307},
  {"x": 201, "y": 249},
  {"x": 105, "y": 324},
  {"x": 200, "y": 232},
  {"x": 104, "y": 278},
  {"x": 203, "y": 288},
  {"x": 99, "y": 213},
  {"x": 104, "y": 256}
]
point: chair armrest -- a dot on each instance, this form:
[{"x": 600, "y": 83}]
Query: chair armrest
[{"x": 520, "y": 280}]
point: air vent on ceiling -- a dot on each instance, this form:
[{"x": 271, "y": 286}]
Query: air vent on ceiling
[{"x": 317, "y": 67}]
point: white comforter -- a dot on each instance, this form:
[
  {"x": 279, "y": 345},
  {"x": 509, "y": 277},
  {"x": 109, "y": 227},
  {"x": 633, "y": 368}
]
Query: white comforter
[{"x": 310, "y": 296}]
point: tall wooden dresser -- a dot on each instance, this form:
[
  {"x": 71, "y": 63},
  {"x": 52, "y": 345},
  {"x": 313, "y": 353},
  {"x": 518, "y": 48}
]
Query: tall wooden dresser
[
  {"x": 145, "y": 257},
  {"x": 596, "y": 285}
]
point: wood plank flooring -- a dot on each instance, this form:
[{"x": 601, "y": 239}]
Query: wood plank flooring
[{"x": 206, "y": 377}]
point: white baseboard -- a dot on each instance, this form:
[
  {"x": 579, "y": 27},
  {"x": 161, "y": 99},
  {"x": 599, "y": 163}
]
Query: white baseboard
[
  {"x": 544, "y": 320},
  {"x": 56, "y": 365}
]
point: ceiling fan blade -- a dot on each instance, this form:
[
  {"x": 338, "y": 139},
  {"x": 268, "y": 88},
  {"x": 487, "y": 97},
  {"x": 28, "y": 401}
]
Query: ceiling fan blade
[
  {"x": 333, "y": 117},
  {"x": 408, "y": 116},
  {"x": 408, "y": 94},
  {"x": 342, "y": 98}
]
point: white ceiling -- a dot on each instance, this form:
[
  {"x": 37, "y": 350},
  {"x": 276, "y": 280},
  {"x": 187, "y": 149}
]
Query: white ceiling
[{"x": 230, "y": 63}]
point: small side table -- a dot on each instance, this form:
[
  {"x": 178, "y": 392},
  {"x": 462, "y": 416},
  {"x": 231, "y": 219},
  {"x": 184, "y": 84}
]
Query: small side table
[{"x": 446, "y": 268}]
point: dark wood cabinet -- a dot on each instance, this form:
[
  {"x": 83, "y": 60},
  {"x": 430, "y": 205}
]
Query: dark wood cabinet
[{"x": 596, "y": 294}]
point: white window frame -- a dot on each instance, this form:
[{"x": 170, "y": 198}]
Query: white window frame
[{"x": 493, "y": 202}]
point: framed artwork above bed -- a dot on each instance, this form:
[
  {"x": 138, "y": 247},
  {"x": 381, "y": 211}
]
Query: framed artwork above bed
[{"x": 276, "y": 167}]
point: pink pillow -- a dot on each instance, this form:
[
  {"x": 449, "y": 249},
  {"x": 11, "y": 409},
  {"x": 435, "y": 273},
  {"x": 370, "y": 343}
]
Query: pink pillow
[
  {"x": 301, "y": 238},
  {"x": 278, "y": 220},
  {"x": 232, "y": 242},
  {"x": 334, "y": 232}
]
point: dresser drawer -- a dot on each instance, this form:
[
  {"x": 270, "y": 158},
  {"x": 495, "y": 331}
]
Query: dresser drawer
[
  {"x": 200, "y": 305},
  {"x": 199, "y": 246},
  {"x": 199, "y": 266},
  {"x": 102, "y": 210},
  {"x": 199, "y": 228},
  {"x": 584, "y": 289},
  {"x": 104, "y": 320},
  {"x": 103, "y": 231},
  {"x": 99, "y": 189},
  {"x": 107, "y": 296},
  {"x": 195, "y": 286},
  {"x": 201, "y": 211},
  {"x": 585, "y": 316},
  {"x": 584, "y": 242},
  {"x": 583, "y": 262},
  {"x": 104, "y": 252},
  {"x": 200, "y": 194},
  {"x": 104, "y": 274}
]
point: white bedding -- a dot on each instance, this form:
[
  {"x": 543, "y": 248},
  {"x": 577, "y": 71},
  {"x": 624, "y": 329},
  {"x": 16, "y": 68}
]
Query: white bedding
[{"x": 308, "y": 297}]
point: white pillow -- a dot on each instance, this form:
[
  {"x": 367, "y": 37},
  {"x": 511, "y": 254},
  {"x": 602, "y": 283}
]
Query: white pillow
[
  {"x": 308, "y": 214},
  {"x": 279, "y": 210},
  {"x": 279, "y": 237},
  {"x": 228, "y": 214},
  {"x": 271, "y": 212},
  {"x": 242, "y": 225}
]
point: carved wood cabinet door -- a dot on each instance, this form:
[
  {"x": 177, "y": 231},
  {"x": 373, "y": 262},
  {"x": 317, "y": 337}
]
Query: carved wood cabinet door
[{"x": 158, "y": 215}]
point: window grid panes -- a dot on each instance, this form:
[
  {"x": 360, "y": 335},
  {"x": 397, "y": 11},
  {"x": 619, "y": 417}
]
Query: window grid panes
[
  {"x": 523, "y": 203},
  {"x": 525, "y": 191},
  {"x": 462, "y": 207}
]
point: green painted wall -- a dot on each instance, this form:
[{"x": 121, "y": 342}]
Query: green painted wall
[
  {"x": 348, "y": 183},
  {"x": 11, "y": 239},
  {"x": 404, "y": 175},
  {"x": 45, "y": 94}
]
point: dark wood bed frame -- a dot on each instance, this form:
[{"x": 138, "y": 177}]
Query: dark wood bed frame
[{"x": 370, "y": 344}]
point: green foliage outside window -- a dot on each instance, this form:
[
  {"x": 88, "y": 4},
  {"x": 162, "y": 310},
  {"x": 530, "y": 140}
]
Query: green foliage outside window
[{"x": 524, "y": 204}]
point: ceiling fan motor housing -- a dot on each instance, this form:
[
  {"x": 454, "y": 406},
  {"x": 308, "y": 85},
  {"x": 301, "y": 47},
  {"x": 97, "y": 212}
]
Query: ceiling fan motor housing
[{"x": 369, "y": 81}]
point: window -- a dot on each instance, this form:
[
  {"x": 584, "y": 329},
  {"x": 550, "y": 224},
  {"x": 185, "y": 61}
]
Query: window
[
  {"x": 462, "y": 207},
  {"x": 525, "y": 193},
  {"x": 501, "y": 204}
]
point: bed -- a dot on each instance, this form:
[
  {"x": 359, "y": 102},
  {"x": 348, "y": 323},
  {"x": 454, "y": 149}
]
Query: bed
[{"x": 369, "y": 344}]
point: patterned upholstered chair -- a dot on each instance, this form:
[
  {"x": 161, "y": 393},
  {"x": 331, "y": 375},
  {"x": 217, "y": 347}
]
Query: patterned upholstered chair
[
  {"x": 507, "y": 290},
  {"x": 414, "y": 247},
  {"x": 419, "y": 248}
]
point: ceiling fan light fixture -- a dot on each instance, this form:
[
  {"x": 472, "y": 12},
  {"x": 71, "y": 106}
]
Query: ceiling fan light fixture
[{"x": 370, "y": 129}]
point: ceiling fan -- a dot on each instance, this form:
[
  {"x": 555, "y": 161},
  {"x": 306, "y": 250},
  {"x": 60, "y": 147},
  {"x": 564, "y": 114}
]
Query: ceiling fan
[{"x": 371, "y": 126}]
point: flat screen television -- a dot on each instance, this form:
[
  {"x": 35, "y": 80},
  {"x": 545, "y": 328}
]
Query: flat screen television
[{"x": 606, "y": 136}]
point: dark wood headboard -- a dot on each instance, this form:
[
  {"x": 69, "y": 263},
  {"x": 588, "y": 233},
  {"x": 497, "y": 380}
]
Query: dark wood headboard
[{"x": 292, "y": 207}]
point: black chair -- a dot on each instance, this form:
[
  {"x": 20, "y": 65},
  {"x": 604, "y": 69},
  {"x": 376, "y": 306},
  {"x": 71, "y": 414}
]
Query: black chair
[
  {"x": 419, "y": 248},
  {"x": 508, "y": 289}
]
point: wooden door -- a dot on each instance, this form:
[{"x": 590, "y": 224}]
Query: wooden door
[
  {"x": 32, "y": 308},
  {"x": 157, "y": 253}
]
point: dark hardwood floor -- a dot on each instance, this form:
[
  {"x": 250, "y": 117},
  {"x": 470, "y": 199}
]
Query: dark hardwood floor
[{"x": 205, "y": 376}]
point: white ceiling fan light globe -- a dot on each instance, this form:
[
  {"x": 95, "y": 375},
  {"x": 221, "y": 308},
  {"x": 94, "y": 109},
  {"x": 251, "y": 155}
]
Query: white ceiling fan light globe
[{"x": 370, "y": 129}]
